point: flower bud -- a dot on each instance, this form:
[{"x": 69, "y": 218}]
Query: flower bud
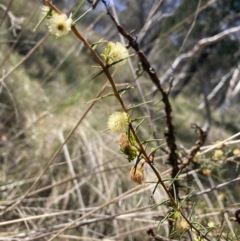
[
  {"x": 182, "y": 225},
  {"x": 136, "y": 174},
  {"x": 126, "y": 147}
]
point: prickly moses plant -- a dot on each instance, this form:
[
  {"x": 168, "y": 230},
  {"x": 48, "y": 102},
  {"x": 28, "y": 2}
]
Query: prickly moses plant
[{"x": 146, "y": 152}]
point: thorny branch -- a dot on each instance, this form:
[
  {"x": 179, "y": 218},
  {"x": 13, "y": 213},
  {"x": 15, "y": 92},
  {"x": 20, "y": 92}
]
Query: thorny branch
[
  {"x": 169, "y": 131},
  {"x": 142, "y": 150},
  {"x": 193, "y": 151}
]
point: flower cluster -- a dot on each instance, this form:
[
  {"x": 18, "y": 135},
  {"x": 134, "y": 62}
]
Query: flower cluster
[
  {"x": 115, "y": 53},
  {"x": 218, "y": 154},
  {"x": 236, "y": 152},
  {"x": 118, "y": 122},
  {"x": 182, "y": 225},
  {"x": 58, "y": 24}
]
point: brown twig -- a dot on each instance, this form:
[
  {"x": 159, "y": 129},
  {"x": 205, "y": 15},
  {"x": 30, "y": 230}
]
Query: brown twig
[
  {"x": 202, "y": 135},
  {"x": 169, "y": 131}
]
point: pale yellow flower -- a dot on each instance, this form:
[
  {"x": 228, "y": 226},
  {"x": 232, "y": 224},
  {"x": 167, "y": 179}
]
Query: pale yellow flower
[
  {"x": 219, "y": 144},
  {"x": 197, "y": 238},
  {"x": 197, "y": 156},
  {"x": 115, "y": 52},
  {"x": 118, "y": 122},
  {"x": 236, "y": 152},
  {"x": 59, "y": 24},
  {"x": 217, "y": 154},
  {"x": 182, "y": 225},
  {"x": 221, "y": 196},
  {"x": 211, "y": 224}
]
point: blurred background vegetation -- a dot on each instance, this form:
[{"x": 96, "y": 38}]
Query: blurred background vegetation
[{"x": 47, "y": 82}]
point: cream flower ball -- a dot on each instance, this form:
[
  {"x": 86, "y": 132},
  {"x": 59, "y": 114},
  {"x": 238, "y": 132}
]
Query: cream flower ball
[
  {"x": 118, "y": 122},
  {"x": 115, "y": 52},
  {"x": 59, "y": 24}
]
